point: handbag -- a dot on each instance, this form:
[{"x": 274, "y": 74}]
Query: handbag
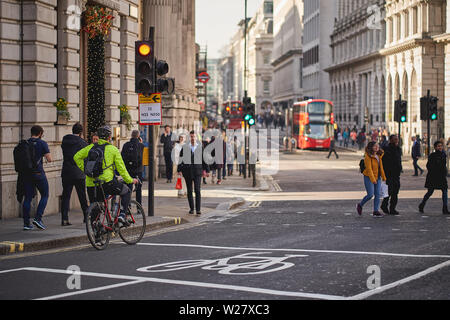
[
  {"x": 179, "y": 184},
  {"x": 384, "y": 190}
]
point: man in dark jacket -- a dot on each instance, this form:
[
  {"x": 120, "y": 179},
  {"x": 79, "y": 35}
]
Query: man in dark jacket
[
  {"x": 132, "y": 153},
  {"x": 392, "y": 164},
  {"x": 416, "y": 154},
  {"x": 191, "y": 166},
  {"x": 71, "y": 174},
  {"x": 166, "y": 140},
  {"x": 436, "y": 177}
]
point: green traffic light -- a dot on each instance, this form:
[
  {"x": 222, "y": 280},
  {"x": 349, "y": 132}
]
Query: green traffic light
[
  {"x": 403, "y": 119},
  {"x": 247, "y": 117},
  {"x": 434, "y": 116},
  {"x": 251, "y": 122}
]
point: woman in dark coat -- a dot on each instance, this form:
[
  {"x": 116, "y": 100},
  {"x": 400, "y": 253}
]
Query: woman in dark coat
[{"x": 437, "y": 176}]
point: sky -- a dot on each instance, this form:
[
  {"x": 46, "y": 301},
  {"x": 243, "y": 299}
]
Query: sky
[{"x": 217, "y": 21}]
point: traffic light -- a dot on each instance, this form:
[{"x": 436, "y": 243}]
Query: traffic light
[
  {"x": 166, "y": 85},
  {"x": 250, "y": 114},
  {"x": 403, "y": 111},
  {"x": 433, "y": 108},
  {"x": 424, "y": 107},
  {"x": 400, "y": 111},
  {"x": 144, "y": 67}
]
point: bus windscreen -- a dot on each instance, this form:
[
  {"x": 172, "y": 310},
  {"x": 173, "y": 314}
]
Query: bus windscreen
[{"x": 322, "y": 108}]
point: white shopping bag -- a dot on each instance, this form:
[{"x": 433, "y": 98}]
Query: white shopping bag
[{"x": 384, "y": 190}]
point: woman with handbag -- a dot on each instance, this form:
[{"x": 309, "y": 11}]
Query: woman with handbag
[
  {"x": 180, "y": 186},
  {"x": 373, "y": 176}
]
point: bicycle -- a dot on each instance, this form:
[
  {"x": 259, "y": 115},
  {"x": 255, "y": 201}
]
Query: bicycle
[{"x": 102, "y": 220}]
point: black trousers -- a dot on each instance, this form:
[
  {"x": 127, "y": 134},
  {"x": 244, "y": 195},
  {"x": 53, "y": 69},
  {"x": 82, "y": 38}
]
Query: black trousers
[
  {"x": 196, "y": 180},
  {"x": 169, "y": 165},
  {"x": 331, "y": 151},
  {"x": 394, "y": 189},
  {"x": 80, "y": 186}
]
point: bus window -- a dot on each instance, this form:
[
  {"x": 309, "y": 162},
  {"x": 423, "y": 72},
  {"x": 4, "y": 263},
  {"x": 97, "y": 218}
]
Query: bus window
[{"x": 319, "y": 108}]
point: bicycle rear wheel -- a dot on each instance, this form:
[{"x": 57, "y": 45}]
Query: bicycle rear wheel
[
  {"x": 135, "y": 230},
  {"x": 95, "y": 226}
]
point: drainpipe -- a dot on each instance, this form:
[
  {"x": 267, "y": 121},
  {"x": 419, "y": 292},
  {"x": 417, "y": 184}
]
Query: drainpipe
[{"x": 21, "y": 69}]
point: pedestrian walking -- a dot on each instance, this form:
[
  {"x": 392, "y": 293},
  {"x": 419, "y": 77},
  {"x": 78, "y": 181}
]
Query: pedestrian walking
[
  {"x": 132, "y": 155},
  {"x": 332, "y": 148},
  {"x": 191, "y": 167},
  {"x": 436, "y": 177},
  {"x": 71, "y": 175},
  {"x": 416, "y": 154},
  {"x": 177, "y": 148},
  {"x": 35, "y": 150},
  {"x": 392, "y": 164},
  {"x": 346, "y": 137},
  {"x": 361, "y": 139},
  {"x": 373, "y": 175},
  {"x": 353, "y": 136},
  {"x": 166, "y": 140}
]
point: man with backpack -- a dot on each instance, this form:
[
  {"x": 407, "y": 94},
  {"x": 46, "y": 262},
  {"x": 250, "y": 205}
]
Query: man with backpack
[
  {"x": 99, "y": 162},
  {"x": 132, "y": 153},
  {"x": 28, "y": 158},
  {"x": 71, "y": 175},
  {"x": 392, "y": 164}
]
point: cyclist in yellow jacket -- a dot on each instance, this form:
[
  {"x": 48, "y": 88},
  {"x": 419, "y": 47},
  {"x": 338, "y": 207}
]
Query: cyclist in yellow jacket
[{"x": 112, "y": 161}]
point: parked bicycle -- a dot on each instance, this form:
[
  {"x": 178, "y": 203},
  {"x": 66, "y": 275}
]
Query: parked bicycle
[{"x": 103, "y": 220}]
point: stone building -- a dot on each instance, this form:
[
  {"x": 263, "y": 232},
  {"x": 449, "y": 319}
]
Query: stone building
[
  {"x": 415, "y": 62},
  {"x": 357, "y": 73},
  {"x": 318, "y": 19},
  {"x": 287, "y": 59},
  {"x": 50, "y": 61},
  {"x": 260, "y": 44}
]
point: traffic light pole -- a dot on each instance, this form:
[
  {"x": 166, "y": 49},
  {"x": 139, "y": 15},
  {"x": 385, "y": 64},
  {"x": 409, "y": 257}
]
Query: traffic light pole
[
  {"x": 400, "y": 126},
  {"x": 151, "y": 155},
  {"x": 428, "y": 124}
]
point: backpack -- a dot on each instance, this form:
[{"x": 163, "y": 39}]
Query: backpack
[
  {"x": 130, "y": 156},
  {"x": 362, "y": 166},
  {"x": 25, "y": 157},
  {"x": 93, "y": 165}
]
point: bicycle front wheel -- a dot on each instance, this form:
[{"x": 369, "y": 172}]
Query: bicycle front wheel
[
  {"x": 135, "y": 230},
  {"x": 96, "y": 221}
]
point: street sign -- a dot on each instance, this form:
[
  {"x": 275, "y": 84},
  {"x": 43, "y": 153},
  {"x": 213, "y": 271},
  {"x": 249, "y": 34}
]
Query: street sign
[
  {"x": 203, "y": 77},
  {"x": 150, "y": 110}
]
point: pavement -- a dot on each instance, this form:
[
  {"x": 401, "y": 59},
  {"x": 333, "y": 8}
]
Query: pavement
[{"x": 170, "y": 210}]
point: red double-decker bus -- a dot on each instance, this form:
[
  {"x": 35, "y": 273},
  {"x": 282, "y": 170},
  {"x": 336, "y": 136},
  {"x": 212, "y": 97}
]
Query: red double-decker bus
[
  {"x": 234, "y": 112},
  {"x": 313, "y": 124}
]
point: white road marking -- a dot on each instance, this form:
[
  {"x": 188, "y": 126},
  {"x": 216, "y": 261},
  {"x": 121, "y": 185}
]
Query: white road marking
[
  {"x": 75, "y": 293},
  {"x": 136, "y": 279},
  {"x": 294, "y": 250},
  {"x": 416, "y": 276}
]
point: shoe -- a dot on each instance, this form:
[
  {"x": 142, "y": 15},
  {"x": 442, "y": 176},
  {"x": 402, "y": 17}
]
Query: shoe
[
  {"x": 394, "y": 212},
  {"x": 191, "y": 211},
  {"x": 445, "y": 210},
  {"x": 65, "y": 223},
  {"x": 377, "y": 214},
  {"x": 123, "y": 219},
  {"x": 198, "y": 213},
  {"x": 359, "y": 209},
  {"x": 219, "y": 181},
  {"x": 415, "y": 175},
  {"x": 384, "y": 209},
  {"x": 421, "y": 172},
  {"x": 27, "y": 227},
  {"x": 39, "y": 224},
  {"x": 421, "y": 207}
]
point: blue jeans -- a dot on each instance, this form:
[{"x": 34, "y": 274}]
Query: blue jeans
[
  {"x": 40, "y": 182},
  {"x": 372, "y": 190}
]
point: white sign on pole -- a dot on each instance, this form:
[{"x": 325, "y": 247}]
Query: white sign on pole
[{"x": 150, "y": 110}]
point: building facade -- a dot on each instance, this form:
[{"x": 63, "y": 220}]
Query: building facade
[
  {"x": 260, "y": 44},
  {"x": 415, "y": 63},
  {"x": 51, "y": 61},
  {"x": 287, "y": 58},
  {"x": 318, "y": 21},
  {"x": 357, "y": 73}
]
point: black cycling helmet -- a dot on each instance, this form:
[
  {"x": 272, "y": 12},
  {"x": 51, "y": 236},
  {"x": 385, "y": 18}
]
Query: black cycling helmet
[{"x": 104, "y": 132}]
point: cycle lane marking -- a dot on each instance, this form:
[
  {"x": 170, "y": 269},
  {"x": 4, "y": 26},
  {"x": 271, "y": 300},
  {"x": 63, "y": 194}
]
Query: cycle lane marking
[{"x": 137, "y": 279}]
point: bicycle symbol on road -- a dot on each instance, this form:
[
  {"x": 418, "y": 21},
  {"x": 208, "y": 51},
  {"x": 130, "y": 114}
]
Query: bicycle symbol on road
[{"x": 243, "y": 264}]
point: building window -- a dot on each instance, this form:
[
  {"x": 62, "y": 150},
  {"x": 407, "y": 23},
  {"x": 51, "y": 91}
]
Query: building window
[
  {"x": 266, "y": 88},
  {"x": 268, "y": 7},
  {"x": 266, "y": 58}
]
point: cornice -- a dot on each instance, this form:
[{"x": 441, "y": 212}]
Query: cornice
[
  {"x": 352, "y": 62},
  {"x": 406, "y": 45},
  {"x": 286, "y": 56}
]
